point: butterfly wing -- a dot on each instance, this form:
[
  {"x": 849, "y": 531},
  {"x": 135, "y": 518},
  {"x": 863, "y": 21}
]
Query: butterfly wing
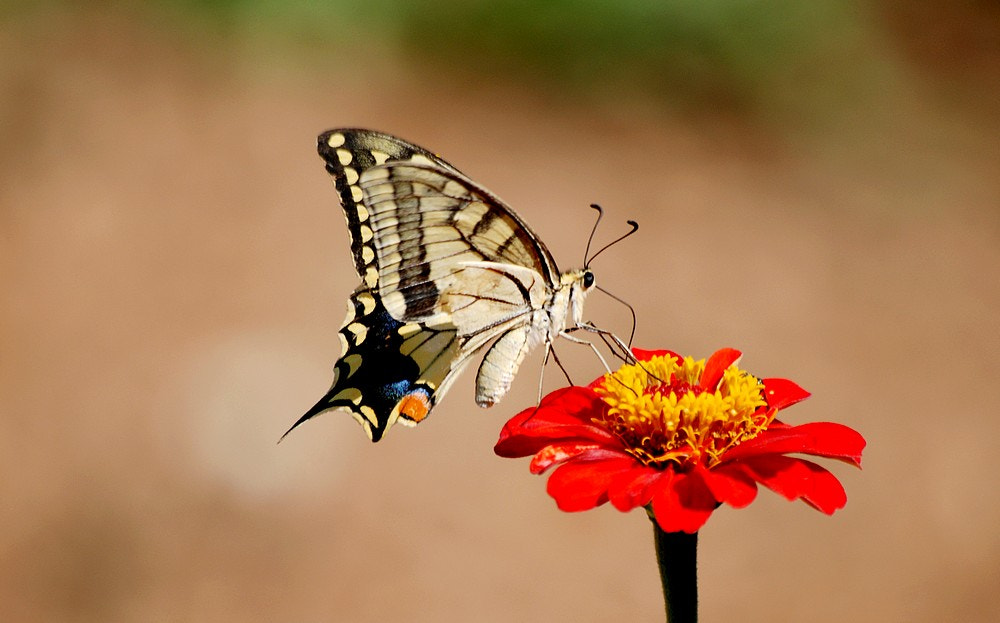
[
  {"x": 348, "y": 153},
  {"x": 433, "y": 228},
  {"x": 388, "y": 371},
  {"x": 427, "y": 243},
  {"x": 448, "y": 250}
]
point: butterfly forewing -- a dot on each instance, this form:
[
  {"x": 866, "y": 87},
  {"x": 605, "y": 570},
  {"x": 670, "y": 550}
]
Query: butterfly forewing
[
  {"x": 428, "y": 224},
  {"x": 348, "y": 154}
]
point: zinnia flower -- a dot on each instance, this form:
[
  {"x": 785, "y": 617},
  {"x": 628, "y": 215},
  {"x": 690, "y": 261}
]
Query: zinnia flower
[{"x": 679, "y": 437}]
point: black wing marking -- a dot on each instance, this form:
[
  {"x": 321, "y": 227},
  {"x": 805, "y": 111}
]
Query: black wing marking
[
  {"x": 350, "y": 152},
  {"x": 388, "y": 369}
]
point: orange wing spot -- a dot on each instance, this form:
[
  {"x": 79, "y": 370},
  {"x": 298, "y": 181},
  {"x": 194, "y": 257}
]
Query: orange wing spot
[{"x": 415, "y": 406}]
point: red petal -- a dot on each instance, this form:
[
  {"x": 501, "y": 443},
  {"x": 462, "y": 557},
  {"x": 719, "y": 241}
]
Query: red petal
[
  {"x": 646, "y": 355},
  {"x": 682, "y": 502},
  {"x": 518, "y": 445},
  {"x": 561, "y": 452},
  {"x": 569, "y": 405},
  {"x": 633, "y": 488},
  {"x": 582, "y": 485},
  {"x": 828, "y": 439},
  {"x": 782, "y": 393},
  {"x": 729, "y": 484},
  {"x": 563, "y": 415},
  {"x": 716, "y": 365},
  {"x": 797, "y": 478}
]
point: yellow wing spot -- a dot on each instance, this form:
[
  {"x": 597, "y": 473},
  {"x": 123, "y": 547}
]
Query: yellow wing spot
[
  {"x": 408, "y": 329},
  {"x": 363, "y": 214},
  {"x": 351, "y": 394},
  {"x": 350, "y": 314},
  {"x": 344, "y": 156},
  {"x": 421, "y": 159},
  {"x": 369, "y": 414},
  {"x": 371, "y": 277},
  {"x": 351, "y": 174},
  {"x": 344, "y": 346},
  {"x": 364, "y": 424},
  {"x": 379, "y": 156},
  {"x": 367, "y": 303},
  {"x": 353, "y": 363},
  {"x": 393, "y": 416},
  {"x": 359, "y": 330},
  {"x": 356, "y": 193},
  {"x": 366, "y": 233},
  {"x": 415, "y": 406},
  {"x": 336, "y": 139},
  {"x": 367, "y": 254}
]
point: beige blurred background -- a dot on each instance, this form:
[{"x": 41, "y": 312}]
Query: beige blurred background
[{"x": 817, "y": 184}]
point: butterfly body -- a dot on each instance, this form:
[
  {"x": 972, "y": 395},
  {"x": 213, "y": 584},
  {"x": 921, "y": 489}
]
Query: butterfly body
[{"x": 447, "y": 270}]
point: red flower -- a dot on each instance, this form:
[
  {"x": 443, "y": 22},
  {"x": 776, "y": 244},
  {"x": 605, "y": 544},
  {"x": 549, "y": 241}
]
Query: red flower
[{"x": 680, "y": 437}]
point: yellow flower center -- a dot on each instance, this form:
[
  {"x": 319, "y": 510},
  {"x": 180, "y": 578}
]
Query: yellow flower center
[{"x": 662, "y": 415}]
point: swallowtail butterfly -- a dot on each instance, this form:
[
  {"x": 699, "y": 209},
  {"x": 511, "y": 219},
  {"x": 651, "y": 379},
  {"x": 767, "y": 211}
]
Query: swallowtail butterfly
[{"x": 447, "y": 269}]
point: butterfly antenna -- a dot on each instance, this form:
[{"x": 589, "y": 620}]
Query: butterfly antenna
[
  {"x": 600, "y": 215},
  {"x": 635, "y": 228}
]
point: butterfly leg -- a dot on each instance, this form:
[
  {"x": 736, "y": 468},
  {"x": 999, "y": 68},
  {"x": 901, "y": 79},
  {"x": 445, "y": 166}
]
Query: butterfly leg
[
  {"x": 612, "y": 341},
  {"x": 577, "y": 340},
  {"x": 625, "y": 354},
  {"x": 541, "y": 375},
  {"x": 560, "y": 364},
  {"x": 550, "y": 350}
]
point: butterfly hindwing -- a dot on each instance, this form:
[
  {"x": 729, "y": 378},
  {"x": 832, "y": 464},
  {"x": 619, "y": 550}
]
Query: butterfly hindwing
[{"x": 388, "y": 370}]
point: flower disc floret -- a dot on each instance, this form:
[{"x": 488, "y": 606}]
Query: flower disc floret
[{"x": 662, "y": 414}]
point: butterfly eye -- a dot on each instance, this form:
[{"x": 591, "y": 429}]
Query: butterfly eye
[{"x": 588, "y": 279}]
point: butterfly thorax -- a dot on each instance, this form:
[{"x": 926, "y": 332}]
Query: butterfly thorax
[{"x": 566, "y": 304}]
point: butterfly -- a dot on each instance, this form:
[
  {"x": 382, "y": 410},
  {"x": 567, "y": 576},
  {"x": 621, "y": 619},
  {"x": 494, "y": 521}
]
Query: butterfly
[{"x": 447, "y": 269}]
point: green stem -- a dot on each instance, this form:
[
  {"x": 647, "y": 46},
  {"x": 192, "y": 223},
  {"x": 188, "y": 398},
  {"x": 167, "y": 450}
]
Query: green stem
[{"x": 677, "y": 557}]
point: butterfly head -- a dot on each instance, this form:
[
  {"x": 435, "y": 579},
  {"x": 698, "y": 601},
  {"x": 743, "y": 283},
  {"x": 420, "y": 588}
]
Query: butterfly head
[{"x": 576, "y": 284}]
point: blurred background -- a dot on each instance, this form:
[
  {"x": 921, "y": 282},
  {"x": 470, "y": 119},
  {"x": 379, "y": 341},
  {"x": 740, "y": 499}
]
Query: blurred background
[{"x": 818, "y": 184}]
